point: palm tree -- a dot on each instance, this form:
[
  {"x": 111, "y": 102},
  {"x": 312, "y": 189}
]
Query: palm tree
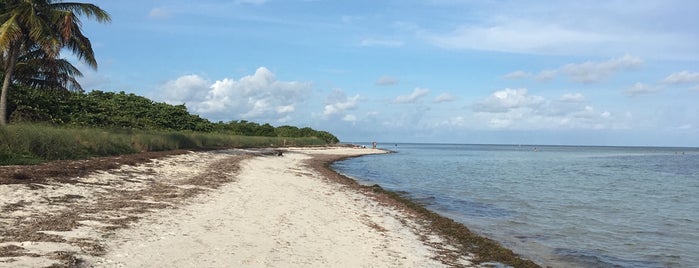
[
  {"x": 46, "y": 25},
  {"x": 38, "y": 70}
]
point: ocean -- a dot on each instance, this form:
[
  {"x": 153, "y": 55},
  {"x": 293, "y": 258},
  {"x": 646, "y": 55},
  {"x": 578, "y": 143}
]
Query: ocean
[{"x": 560, "y": 206}]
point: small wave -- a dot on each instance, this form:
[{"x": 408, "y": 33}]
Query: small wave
[
  {"x": 589, "y": 258},
  {"x": 458, "y": 205},
  {"x": 425, "y": 200},
  {"x": 476, "y": 209}
]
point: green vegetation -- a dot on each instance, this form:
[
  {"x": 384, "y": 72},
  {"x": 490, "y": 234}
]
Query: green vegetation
[
  {"x": 59, "y": 124},
  {"x": 110, "y": 110},
  {"x": 35, "y": 143},
  {"x": 100, "y": 109}
]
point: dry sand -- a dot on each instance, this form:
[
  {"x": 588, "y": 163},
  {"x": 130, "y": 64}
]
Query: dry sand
[{"x": 200, "y": 210}]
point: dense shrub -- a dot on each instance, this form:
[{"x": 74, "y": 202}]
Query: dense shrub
[
  {"x": 32, "y": 143},
  {"x": 115, "y": 110}
]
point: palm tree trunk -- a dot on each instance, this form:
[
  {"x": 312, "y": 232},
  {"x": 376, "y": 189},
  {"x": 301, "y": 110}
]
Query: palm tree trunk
[{"x": 9, "y": 69}]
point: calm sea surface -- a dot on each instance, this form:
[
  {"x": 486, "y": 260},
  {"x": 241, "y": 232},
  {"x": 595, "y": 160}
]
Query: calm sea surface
[{"x": 563, "y": 206}]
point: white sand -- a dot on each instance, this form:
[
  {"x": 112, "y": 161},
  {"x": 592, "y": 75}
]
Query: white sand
[{"x": 277, "y": 213}]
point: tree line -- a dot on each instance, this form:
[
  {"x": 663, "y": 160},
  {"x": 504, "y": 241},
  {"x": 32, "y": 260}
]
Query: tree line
[{"x": 127, "y": 110}]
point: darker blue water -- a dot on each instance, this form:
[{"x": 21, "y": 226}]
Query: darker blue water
[{"x": 562, "y": 206}]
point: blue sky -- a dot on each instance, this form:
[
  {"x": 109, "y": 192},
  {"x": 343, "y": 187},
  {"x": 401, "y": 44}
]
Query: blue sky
[{"x": 451, "y": 71}]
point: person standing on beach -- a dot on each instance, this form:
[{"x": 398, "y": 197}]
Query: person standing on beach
[{"x": 373, "y": 145}]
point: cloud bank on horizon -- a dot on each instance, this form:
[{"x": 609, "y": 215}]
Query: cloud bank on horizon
[{"x": 589, "y": 72}]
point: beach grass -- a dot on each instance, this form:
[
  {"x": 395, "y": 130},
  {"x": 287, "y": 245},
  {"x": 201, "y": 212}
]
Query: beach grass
[{"x": 22, "y": 144}]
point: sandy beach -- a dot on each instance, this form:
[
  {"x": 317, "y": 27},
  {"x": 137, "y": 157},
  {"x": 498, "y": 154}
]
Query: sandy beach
[{"x": 232, "y": 208}]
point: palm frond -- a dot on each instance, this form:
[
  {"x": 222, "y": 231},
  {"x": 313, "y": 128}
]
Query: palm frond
[
  {"x": 88, "y": 10},
  {"x": 81, "y": 47},
  {"x": 10, "y": 32},
  {"x": 35, "y": 69}
]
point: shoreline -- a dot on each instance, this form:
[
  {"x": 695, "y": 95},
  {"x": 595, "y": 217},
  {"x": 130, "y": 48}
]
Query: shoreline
[
  {"x": 89, "y": 216},
  {"x": 485, "y": 249}
]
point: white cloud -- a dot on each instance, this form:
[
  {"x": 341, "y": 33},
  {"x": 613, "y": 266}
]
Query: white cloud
[
  {"x": 284, "y": 119},
  {"x": 286, "y": 109},
  {"x": 507, "y": 100},
  {"x": 456, "y": 121},
  {"x": 185, "y": 88},
  {"x": 590, "y": 72},
  {"x": 640, "y": 89},
  {"x": 373, "y": 42},
  {"x": 546, "y": 75},
  {"x": 159, "y": 13},
  {"x": 338, "y": 103},
  {"x": 444, "y": 97},
  {"x": 518, "y": 74},
  {"x": 386, "y": 81},
  {"x": 258, "y": 97},
  {"x": 586, "y": 72},
  {"x": 682, "y": 77},
  {"x": 572, "y": 97},
  {"x": 516, "y": 109},
  {"x": 417, "y": 94},
  {"x": 518, "y": 36},
  {"x": 349, "y": 118}
]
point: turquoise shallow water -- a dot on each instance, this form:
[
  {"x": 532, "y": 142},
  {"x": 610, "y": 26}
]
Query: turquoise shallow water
[{"x": 562, "y": 206}]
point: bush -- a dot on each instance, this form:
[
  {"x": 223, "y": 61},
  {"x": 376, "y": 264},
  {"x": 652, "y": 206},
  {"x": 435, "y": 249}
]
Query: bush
[
  {"x": 33, "y": 143},
  {"x": 120, "y": 110}
]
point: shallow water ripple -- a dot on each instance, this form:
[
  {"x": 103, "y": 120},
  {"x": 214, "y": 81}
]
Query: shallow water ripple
[{"x": 562, "y": 206}]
